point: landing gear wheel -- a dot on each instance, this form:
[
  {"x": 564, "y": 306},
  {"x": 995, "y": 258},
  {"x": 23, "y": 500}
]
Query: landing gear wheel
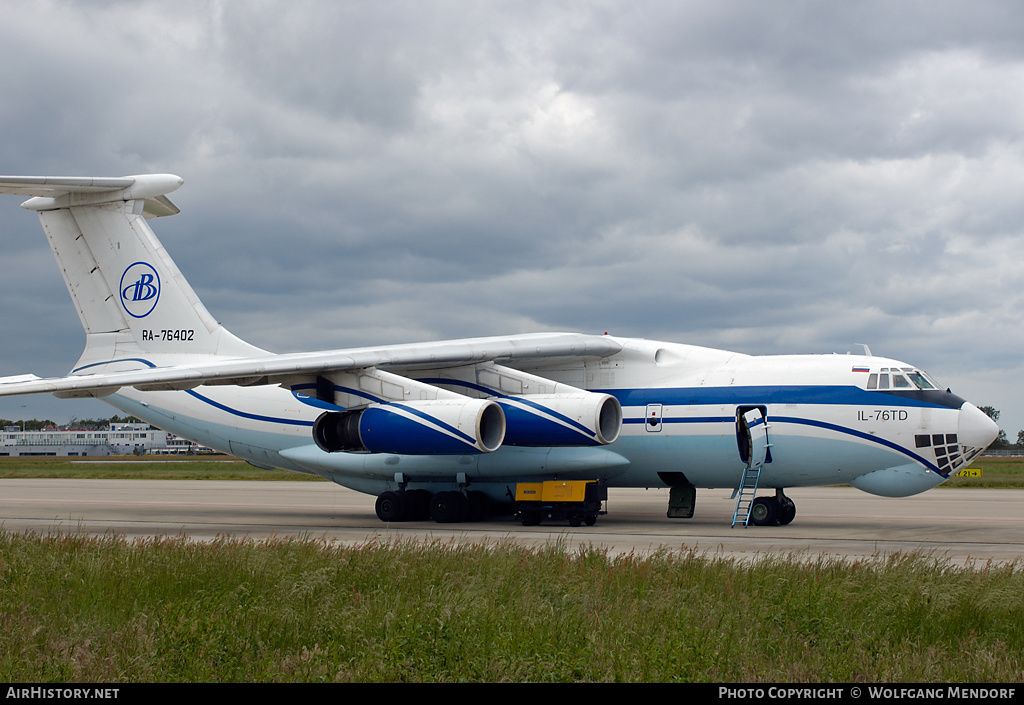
[
  {"x": 477, "y": 506},
  {"x": 418, "y": 502},
  {"x": 391, "y": 506},
  {"x": 764, "y": 511},
  {"x": 787, "y": 511},
  {"x": 447, "y": 507}
]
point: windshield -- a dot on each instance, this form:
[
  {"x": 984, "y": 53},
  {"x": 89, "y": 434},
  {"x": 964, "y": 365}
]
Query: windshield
[
  {"x": 906, "y": 378},
  {"x": 920, "y": 380}
]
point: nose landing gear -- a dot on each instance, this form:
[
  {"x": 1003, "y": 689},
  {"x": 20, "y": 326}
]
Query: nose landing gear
[{"x": 772, "y": 511}]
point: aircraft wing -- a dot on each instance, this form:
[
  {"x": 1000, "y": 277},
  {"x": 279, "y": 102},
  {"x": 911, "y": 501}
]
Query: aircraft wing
[{"x": 274, "y": 369}]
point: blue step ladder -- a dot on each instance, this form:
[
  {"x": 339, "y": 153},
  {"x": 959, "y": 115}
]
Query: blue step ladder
[
  {"x": 745, "y": 494},
  {"x": 750, "y": 421}
]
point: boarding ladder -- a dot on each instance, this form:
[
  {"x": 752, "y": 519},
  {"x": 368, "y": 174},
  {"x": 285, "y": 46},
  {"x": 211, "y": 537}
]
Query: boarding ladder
[
  {"x": 745, "y": 494},
  {"x": 755, "y": 453}
]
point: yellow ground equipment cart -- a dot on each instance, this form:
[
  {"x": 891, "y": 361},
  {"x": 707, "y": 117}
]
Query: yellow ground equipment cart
[{"x": 579, "y": 501}]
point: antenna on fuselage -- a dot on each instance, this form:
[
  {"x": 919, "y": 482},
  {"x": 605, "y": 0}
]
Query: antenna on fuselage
[{"x": 867, "y": 350}]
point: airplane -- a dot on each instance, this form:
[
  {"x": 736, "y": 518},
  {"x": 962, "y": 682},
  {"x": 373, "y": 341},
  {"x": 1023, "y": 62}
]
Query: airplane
[{"x": 445, "y": 430}]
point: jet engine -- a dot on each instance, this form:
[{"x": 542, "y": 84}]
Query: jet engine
[
  {"x": 431, "y": 427},
  {"x": 573, "y": 419}
]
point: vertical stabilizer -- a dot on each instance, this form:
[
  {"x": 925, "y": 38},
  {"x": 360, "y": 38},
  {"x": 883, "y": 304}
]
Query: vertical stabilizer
[{"x": 130, "y": 296}]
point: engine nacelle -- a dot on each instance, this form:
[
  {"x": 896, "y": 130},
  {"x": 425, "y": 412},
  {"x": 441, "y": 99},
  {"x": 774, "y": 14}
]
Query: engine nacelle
[
  {"x": 434, "y": 427},
  {"x": 574, "y": 419}
]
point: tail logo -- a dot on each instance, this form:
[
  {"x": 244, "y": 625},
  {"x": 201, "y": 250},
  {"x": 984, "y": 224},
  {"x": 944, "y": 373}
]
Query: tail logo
[{"x": 140, "y": 289}]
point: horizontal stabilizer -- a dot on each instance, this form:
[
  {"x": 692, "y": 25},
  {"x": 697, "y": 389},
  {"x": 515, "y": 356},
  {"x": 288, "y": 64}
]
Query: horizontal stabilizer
[
  {"x": 54, "y": 192},
  {"x": 51, "y": 186}
]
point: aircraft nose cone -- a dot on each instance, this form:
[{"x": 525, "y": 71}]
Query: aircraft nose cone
[{"x": 976, "y": 429}]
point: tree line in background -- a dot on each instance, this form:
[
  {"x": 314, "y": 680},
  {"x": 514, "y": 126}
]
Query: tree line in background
[{"x": 73, "y": 423}]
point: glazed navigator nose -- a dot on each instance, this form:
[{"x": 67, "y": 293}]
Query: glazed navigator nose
[{"x": 975, "y": 429}]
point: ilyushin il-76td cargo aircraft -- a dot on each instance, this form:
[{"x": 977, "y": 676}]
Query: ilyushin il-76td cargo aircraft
[{"x": 447, "y": 429}]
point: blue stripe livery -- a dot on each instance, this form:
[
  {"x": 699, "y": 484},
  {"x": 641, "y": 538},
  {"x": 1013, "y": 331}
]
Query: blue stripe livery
[
  {"x": 380, "y": 427},
  {"x": 526, "y": 427}
]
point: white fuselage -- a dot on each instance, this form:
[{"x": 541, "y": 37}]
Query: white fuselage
[{"x": 680, "y": 406}]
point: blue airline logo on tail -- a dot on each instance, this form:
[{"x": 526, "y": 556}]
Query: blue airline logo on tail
[{"x": 140, "y": 289}]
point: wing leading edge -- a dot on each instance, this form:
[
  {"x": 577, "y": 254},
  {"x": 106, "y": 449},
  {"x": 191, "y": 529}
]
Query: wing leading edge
[{"x": 274, "y": 369}]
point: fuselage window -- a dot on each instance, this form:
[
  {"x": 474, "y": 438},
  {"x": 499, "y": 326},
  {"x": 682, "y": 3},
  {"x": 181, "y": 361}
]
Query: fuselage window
[
  {"x": 883, "y": 381},
  {"x": 873, "y": 381}
]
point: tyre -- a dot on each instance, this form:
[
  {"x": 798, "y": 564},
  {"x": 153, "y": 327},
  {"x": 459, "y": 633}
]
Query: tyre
[
  {"x": 787, "y": 512},
  {"x": 391, "y": 506},
  {"x": 476, "y": 506},
  {"x": 764, "y": 511},
  {"x": 447, "y": 507},
  {"x": 418, "y": 505}
]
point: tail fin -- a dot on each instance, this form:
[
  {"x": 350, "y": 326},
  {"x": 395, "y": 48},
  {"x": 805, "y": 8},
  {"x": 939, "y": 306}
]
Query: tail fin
[{"x": 130, "y": 296}]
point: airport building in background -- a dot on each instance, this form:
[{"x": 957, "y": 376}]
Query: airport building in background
[{"x": 118, "y": 439}]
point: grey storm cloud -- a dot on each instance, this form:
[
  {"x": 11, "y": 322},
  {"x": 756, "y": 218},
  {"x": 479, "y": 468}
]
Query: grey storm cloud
[{"x": 766, "y": 177}]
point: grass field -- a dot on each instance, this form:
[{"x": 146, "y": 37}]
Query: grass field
[
  {"x": 86, "y": 610},
  {"x": 995, "y": 472}
]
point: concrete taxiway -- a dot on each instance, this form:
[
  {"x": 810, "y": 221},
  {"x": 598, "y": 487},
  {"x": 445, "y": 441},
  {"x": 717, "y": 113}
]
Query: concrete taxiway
[{"x": 961, "y": 526}]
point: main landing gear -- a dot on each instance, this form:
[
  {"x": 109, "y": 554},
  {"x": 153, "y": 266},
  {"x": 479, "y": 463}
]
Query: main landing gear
[
  {"x": 443, "y": 507},
  {"x": 772, "y": 511}
]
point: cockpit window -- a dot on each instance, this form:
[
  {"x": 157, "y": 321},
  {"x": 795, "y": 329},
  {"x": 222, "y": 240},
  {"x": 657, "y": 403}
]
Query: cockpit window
[
  {"x": 920, "y": 380},
  {"x": 902, "y": 378}
]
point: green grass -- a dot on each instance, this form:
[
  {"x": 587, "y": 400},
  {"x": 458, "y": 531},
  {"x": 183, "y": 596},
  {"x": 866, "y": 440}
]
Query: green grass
[
  {"x": 996, "y": 472},
  {"x": 108, "y": 610},
  {"x": 145, "y": 468}
]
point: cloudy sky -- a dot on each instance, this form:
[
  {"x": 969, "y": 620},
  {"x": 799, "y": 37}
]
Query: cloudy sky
[{"x": 768, "y": 177}]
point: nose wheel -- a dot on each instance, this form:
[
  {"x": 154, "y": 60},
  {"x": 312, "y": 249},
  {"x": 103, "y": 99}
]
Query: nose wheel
[
  {"x": 787, "y": 510},
  {"x": 772, "y": 511}
]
